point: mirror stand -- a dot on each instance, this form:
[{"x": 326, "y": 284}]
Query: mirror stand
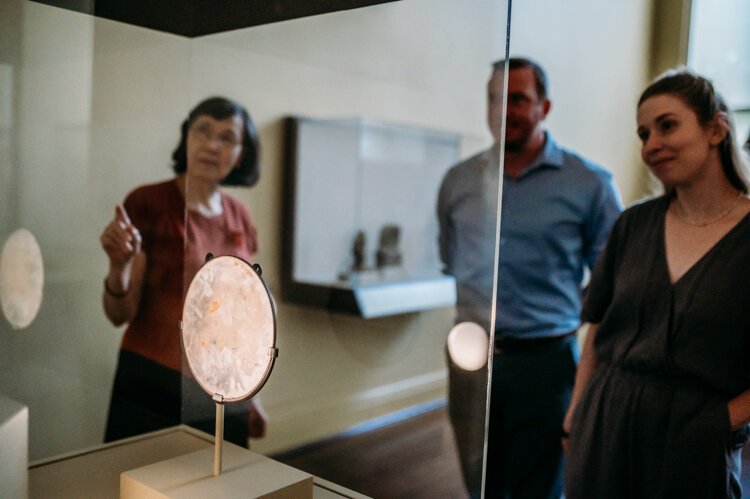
[{"x": 219, "y": 432}]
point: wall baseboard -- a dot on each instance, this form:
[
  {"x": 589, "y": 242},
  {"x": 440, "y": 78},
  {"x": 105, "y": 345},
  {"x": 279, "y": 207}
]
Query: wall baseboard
[
  {"x": 363, "y": 428},
  {"x": 304, "y": 422}
]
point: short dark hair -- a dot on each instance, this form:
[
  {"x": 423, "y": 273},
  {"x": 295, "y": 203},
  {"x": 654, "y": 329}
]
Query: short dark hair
[
  {"x": 542, "y": 86},
  {"x": 247, "y": 171},
  {"x": 699, "y": 95}
]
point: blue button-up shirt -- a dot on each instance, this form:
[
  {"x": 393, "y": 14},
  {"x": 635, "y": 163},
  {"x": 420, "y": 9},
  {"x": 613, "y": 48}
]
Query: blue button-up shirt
[{"x": 556, "y": 216}]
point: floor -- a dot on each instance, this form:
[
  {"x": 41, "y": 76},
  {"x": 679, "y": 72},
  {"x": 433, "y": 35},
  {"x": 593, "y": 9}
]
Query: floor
[{"x": 411, "y": 459}]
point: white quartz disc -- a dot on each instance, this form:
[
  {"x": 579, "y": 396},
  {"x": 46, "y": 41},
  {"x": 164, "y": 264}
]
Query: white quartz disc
[
  {"x": 229, "y": 329},
  {"x": 21, "y": 278}
]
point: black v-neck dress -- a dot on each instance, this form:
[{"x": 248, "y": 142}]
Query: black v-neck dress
[{"x": 653, "y": 421}]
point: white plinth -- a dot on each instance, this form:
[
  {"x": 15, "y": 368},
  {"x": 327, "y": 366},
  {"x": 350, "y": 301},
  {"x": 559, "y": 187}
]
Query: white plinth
[
  {"x": 14, "y": 449},
  {"x": 245, "y": 474}
]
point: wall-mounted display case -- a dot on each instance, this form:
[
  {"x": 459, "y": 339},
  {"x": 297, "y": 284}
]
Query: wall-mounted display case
[{"x": 361, "y": 231}]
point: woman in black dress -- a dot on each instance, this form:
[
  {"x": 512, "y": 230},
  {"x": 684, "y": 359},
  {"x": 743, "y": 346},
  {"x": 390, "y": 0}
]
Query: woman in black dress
[{"x": 661, "y": 401}]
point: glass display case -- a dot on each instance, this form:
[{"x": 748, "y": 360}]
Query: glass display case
[{"x": 92, "y": 108}]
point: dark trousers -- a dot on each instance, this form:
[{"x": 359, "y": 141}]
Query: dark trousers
[
  {"x": 467, "y": 395},
  {"x": 531, "y": 390},
  {"x": 147, "y": 396}
]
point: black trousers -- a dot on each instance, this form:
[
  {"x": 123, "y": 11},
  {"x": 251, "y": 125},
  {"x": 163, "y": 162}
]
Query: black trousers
[
  {"x": 531, "y": 390},
  {"x": 467, "y": 396},
  {"x": 147, "y": 396}
]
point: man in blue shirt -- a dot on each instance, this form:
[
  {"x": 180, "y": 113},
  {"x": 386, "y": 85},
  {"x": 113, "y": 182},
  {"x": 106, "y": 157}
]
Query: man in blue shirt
[{"x": 557, "y": 210}]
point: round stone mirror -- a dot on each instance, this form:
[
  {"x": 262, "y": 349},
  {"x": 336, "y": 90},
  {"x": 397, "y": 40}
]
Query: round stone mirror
[{"x": 229, "y": 329}]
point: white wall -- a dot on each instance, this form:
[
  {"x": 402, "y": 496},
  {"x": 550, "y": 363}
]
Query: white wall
[{"x": 596, "y": 53}]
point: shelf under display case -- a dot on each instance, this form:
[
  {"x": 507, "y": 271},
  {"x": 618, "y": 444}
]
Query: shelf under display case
[
  {"x": 394, "y": 297},
  {"x": 361, "y": 229}
]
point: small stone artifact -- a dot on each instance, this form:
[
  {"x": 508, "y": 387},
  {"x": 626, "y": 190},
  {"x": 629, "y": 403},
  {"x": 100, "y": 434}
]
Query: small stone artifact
[
  {"x": 389, "y": 254},
  {"x": 358, "y": 250}
]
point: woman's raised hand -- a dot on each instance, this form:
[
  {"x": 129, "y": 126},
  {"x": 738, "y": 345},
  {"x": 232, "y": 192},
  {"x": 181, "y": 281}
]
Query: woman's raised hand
[
  {"x": 122, "y": 285},
  {"x": 121, "y": 240}
]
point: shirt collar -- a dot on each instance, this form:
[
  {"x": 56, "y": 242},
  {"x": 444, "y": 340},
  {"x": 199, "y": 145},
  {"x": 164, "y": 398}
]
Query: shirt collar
[{"x": 550, "y": 156}]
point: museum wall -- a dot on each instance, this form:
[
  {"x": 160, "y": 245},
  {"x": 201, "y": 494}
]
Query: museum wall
[
  {"x": 597, "y": 54},
  {"x": 96, "y": 107}
]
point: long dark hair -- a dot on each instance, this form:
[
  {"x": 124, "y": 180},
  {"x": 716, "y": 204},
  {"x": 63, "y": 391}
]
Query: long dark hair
[
  {"x": 698, "y": 94},
  {"x": 247, "y": 171}
]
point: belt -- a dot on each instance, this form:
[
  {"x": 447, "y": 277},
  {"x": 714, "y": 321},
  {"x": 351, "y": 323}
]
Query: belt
[{"x": 512, "y": 344}]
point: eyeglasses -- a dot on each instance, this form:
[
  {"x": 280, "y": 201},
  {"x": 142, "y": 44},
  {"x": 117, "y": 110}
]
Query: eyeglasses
[{"x": 205, "y": 132}]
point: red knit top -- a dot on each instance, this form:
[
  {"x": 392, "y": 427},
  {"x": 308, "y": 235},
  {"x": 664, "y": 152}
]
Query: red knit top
[{"x": 176, "y": 242}]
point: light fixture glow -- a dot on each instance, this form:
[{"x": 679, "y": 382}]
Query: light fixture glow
[{"x": 468, "y": 345}]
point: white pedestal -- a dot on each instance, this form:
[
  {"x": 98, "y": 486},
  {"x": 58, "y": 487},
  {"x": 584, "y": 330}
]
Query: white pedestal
[
  {"x": 190, "y": 476},
  {"x": 14, "y": 449}
]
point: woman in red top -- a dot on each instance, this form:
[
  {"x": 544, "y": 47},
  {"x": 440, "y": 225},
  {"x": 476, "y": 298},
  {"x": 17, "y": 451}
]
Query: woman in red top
[{"x": 155, "y": 245}]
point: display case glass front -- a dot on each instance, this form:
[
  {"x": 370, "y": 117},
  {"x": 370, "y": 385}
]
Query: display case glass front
[{"x": 92, "y": 110}]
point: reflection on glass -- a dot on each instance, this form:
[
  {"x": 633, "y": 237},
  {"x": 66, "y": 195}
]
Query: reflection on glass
[{"x": 21, "y": 278}]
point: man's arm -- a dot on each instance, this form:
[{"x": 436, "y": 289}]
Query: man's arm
[
  {"x": 605, "y": 209},
  {"x": 445, "y": 227},
  {"x": 585, "y": 370}
]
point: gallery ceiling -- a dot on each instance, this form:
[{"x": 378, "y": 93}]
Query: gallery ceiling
[{"x": 193, "y": 18}]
